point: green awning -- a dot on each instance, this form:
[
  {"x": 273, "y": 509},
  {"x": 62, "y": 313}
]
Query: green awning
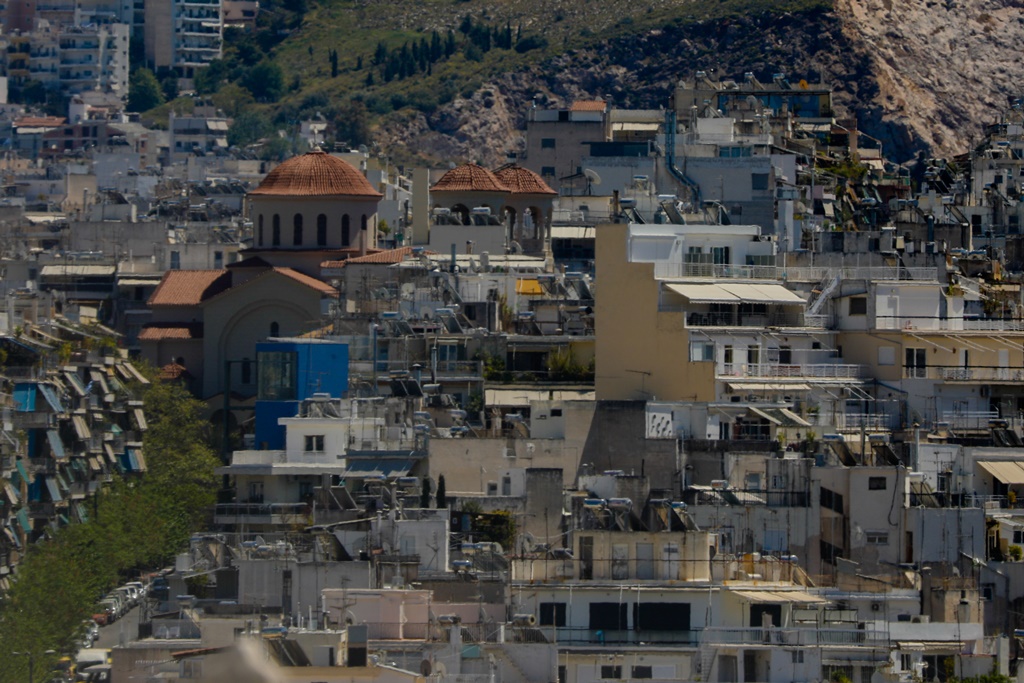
[
  {"x": 20, "y": 465},
  {"x": 26, "y": 523},
  {"x": 56, "y": 445}
]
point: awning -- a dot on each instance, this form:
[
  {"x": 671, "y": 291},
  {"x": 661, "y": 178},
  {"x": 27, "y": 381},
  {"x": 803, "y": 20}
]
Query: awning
[
  {"x": 779, "y": 596},
  {"x": 529, "y": 287},
  {"x": 788, "y": 418},
  {"x": 56, "y": 445},
  {"x": 94, "y": 464},
  {"x": 81, "y": 428},
  {"x": 78, "y": 270},
  {"x": 108, "y": 450},
  {"x": 735, "y": 293},
  {"x": 377, "y": 467},
  {"x": 763, "y": 414},
  {"x": 50, "y": 394},
  {"x": 1006, "y": 471},
  {"x": 140, "y": 419},
  {"x": 12, "y": 495},
  {"x": 20, "y": 466},
  {"x": 25, "y": 397},
  {"x": 23, "y": 519},
  {"x": 51, "y": 486},
  {"x": 76, "y": 383},
  {"x": 704, "y": 294}
]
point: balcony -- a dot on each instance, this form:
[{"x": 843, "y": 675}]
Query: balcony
[
  {"x": 664, "y": 270},
  {"x": 792, "y": 637},
  {"x": 956, "y": 373},
  {"x": 798, "y": 371},
  {"x": 262, "y": 513},
  {"x": 932, "y": 324},
  {"x": 777, "y": 318}
]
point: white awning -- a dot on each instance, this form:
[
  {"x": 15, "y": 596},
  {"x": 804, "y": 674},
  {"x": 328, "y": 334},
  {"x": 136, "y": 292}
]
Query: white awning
[
  {"x": 769, "y": 386},
  {"x": 779, "y": 596},
  {"x": 1006, "y": 471},
  {"x": 735, "y": 293},
  {"x": 704, "y": 294}
]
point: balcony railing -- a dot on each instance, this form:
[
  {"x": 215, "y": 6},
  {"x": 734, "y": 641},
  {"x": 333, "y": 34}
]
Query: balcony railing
[
  {"x": 794, "y": 371},
  {"x": 772, "y": 499},
  {"x": 952, "y": 373},
  {"x": 259, "y": 513},
  {"x": 783, "y": 636},
  {"x": 450, "y": 368},
  {"x": 929, "y": 323},
  {"x": 670, "y": 270},
  {"x": 777, "y": 318}
]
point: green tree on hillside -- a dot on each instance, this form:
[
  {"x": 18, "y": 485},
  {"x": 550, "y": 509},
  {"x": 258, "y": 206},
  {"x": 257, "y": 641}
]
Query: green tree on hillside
[
  {"x": 265, "y": 81},
  {"x": 144, "y": 92},
  {"x": 249, "y": 127}
]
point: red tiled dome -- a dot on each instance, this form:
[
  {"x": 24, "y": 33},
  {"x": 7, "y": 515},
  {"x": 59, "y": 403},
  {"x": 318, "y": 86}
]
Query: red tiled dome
[
  {"x": 521, "y": 180},
  {"x": 468, "y": 178},
  {"x": 315, "y": 174}
]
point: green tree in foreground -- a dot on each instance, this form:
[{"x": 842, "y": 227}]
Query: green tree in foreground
[
  {"x": 134, "y": 524},
  {"x": 144, "y": 91}
]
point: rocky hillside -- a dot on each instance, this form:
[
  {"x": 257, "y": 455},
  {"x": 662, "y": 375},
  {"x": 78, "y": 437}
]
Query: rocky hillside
[{"x": 921, "y": 75}]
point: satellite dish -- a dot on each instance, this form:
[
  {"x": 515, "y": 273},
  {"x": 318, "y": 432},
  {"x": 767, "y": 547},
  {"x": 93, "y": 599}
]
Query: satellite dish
[
  {"x": 363, "y": 149},
  {"x": 440, "y": 669},
  {"x": 425, "y": 668},
  {"x": 592, "y": 176}
]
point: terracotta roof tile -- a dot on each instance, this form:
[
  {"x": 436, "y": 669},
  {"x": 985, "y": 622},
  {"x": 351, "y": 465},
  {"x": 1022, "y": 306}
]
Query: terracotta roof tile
[
  {"x": 173, "y": 371},
  {"x": 189, "y": 287},
  {"x": 310, "y": 282},
  {"x": 588, "y": 105},
  {"x": 316, "y": 174},
  {"x": 161, "y": 331},
  {"x": 386, "y": 257},
  {"x": 39, "y": 121},
  {"x": 521, "y": 180},
  {"x": 468, "y": 178}
]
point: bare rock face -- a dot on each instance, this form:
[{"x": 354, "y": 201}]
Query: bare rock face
[
  {"x": 919, "y": 75},
  {"x": 943, "y": 68}
]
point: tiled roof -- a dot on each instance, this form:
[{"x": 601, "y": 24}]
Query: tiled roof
[
  {"x": 315, "y": 174},
  {"x": 468, "y": 178},
  {"x": 161, "y": 331},
  {"x": 588, "y": 105},
  {"x": 39, "y": 121},
  {"x": 386, "y": 257},
  {"x": 189, "y": 287},
  {"x": 173, "y": 371},
  {"x": 521, "y": 180},
  {"x": 310, "y": 282}
]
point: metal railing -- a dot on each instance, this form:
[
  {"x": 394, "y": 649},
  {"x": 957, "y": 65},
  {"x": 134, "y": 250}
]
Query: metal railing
[
  {"x": 782, "y": 636},
  {"x": 779, "y": 370},
  {"x": 448, "y": 368},
  {"x": 772, "y": 499},
  {"x": 670, "y": 270},
  {"x": 777, "y": 318},
  {"x": 931, "y": 323}
]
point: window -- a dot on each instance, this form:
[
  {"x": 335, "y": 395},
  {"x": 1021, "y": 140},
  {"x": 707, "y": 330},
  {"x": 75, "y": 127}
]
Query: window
[
  {"x": 346, "y": 237},
  {"x": 702, "y": 351},
  {"x": 506, "y": 486},
  {"x": 547, "y": 170},
  {"x": 661, "y": 616},
  {"x": 620, "y": 561},
  {"x": 916, "y": 363},
  {"x": 321, "y": 230},
  {"x": 611, "y": 671},
  {"x": 363, "y": 223},
  {"x": 276, "y": 375},
  {"x": 175, "y": 260},
  {"x": 275, "y": 236},
  {"x": 218, "y": 260},
  {"x": 753, "y": 355},
  {"x": 607, "y": 616},
  {"x": 556, "y": 412},
  {"x": 552, "y": 614},
  {"x": 260, "y": 236},
  {"x": 877, "y": 483},
  {"x": 786, "y": 355},
  {"x": 305, "y": 491},
  {"x": 1018, "y": 536},
  {"x": 314, "y": 443},
  {"x": 297, "y": 230},
  {"x": 275, "y": 329},
  {"x": 256, "y": 492},
  {"x": 876, "y": 537},
  {"x": 547, "y": 143},
  {"x": 642, "y": 671},
  {"x": 906, "y": 662},
  {"x": 798, "y": 656},
  {"x": 246, "y": 371},
  {"x": 988, "y": 591},
  {"x": 831, "y": 500},
  {"x": 858, "y": 305},
  {"x": 758, "y": 181}
]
